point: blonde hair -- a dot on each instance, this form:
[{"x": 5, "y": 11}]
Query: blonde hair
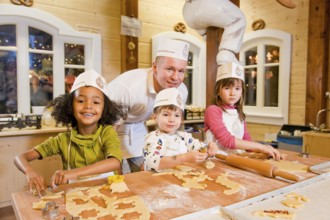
[
  {"x": 158, "y": 109},
  {"x": 217, "y": 100}
]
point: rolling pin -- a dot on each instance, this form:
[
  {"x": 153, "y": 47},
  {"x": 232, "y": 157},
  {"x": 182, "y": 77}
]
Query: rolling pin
[{"x": 256, "y": 166}]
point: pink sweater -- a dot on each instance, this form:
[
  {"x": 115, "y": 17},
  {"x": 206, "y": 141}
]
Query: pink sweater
[{"x": 213, "y": 121}]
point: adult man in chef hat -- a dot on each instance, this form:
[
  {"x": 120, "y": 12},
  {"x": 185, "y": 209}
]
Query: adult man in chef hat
[{"x": 138, "y": 89}]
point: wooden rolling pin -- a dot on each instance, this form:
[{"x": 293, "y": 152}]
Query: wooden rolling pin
[{"x": 256, "y": 166}]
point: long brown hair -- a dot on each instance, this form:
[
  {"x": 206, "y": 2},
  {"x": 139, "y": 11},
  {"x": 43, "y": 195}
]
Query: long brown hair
[{"x": 217, "y": 100}]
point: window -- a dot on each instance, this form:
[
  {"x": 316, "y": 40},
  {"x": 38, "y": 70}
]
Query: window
[
  {"x": 266, "y": 55},
  {"x": 40, "y": 56},
  {"x": 195, "y": 78}
]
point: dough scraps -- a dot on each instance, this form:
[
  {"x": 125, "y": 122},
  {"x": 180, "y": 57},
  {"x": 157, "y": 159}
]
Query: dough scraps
[
  {"x": 39, "y": 205},
  {"x": 275, "y": 214},
  {"x": 97, "y": 205},
  {"x": 209, "y": 164},
  {"x": 118, "y": 187},
  {"x": 234, "y": 187},
  {"x": 294, "y": 200},
  {"x": 292, "y": 203},
  {"x": 289, "y": 166},
  {"x": 184, "y": 168}
]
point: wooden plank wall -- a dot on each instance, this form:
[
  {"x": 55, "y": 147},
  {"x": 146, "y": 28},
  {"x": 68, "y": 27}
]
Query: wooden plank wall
[{"x": 160, "y": 16}]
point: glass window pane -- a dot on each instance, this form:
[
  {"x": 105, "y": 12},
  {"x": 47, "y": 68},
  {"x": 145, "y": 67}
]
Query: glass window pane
[
  {"x": 40, "y": 40},
  {"x": 251, "y": 86},
  {"x": 272, "y": 54},
  {"x": 271, "y": 86},
  {"x": 251, "y": 56},
  {"x": 8, "y": 82},
  {"x": 70, "y": 76},
  {"x": 41, "y": 79},
  {"x": 7, "y": 35},
  {"x": 74, "y": 54}
]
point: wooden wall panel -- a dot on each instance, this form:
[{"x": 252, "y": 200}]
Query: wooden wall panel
[{"x": 160, "y": 16}]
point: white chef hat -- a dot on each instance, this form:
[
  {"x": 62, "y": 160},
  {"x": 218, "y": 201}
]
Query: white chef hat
[
  {"x": 89, "y": 78},
  {"x": 230, "y": 70},
  {"x": 173, "y": 48},
  {"x": 170, "y": 96}
]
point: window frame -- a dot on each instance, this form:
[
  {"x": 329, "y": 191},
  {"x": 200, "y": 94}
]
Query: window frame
[
  {"x": 24, "y": 17},
  {"x": 261, "y": 114}
]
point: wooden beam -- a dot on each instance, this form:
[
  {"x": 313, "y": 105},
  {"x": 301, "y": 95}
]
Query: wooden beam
[
  {"x": 213, "y": 39},
  {"x": 214, "y": 35},
  {"x": 317, "y": 59},
  {"x": 129, "y": 58}
]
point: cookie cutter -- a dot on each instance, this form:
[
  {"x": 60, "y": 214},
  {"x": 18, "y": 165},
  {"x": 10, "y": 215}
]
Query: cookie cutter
[
  {"x": 304, "y": 155},
  {"x": 50, "y": 210}
]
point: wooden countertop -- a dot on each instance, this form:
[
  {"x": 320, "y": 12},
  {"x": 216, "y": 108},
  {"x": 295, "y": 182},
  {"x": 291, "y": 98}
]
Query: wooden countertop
[
  {"x": 7, "y": 132},
  {"x": 166, "y": 198}
]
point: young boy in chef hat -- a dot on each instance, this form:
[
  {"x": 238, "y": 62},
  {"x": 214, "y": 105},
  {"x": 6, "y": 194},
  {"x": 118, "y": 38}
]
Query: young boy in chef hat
[
  {"x": 91, "y": 147},
  {"x": 167, "y": 146},
  {"x": 138, "y": 88},
  {"x": 225, "y": 120}
]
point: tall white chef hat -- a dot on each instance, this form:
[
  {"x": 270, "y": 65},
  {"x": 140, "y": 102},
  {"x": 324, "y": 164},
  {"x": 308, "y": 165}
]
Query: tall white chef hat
[
  {"x": 89, "y": 78},
  {"x": 173, "y": 48},
  {"x": 230, "y": 70},
  {"x": 170, "y": 96}
]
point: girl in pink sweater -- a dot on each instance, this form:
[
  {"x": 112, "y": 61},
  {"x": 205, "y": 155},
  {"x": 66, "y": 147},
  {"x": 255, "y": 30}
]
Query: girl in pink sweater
[{"x": 225, "y": 119}]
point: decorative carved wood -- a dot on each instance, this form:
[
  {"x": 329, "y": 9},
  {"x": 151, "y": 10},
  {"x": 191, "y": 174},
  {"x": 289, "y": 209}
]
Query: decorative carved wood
[
  {"x": 129, "y": 8},
  {"x": 317, "y": 59}
]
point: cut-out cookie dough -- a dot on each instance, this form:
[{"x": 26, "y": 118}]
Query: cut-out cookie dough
[
  {"x": 233, "y": 186},
  {"x": 294, "y": 200},
  {"x": 96, "y": 205},
  {"x": 275, "y": 214},
  {"x": 209, "y": 164},
  {"x": 289, "y": 166},
  {"x": 297, "y": 196},
  {"x": 292, "y": 203}
]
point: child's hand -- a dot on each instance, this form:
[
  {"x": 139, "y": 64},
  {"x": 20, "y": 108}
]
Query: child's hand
[
  {"x": 272, "y": 152},
  {"x": 195, "y": 157},
  {"x": 62, "y": 177},
  {"x": 212, "y": 149},
  {"x": 35, "y": 181}
]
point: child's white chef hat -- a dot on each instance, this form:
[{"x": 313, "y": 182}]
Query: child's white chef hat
[
  {"x": 170, "y": 96},
  {"x": 173, "y": 48},
  {"x": 230, "y": 70},
  {"x": 90, "y": 78}
]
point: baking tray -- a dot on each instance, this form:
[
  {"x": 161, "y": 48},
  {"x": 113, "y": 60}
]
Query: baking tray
[
  {"x": 317, "y": 189},
  {"x": 214, "y": 213}
]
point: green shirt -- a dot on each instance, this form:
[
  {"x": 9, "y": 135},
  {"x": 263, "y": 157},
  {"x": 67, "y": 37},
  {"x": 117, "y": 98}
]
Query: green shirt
[{"x": 85, "y": 149}]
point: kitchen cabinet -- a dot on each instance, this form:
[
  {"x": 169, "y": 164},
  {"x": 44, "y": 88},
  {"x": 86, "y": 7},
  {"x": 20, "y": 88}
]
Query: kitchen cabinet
[
  {"x": 14, "y": 142},
  {"x": 317, "y": 144}
]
